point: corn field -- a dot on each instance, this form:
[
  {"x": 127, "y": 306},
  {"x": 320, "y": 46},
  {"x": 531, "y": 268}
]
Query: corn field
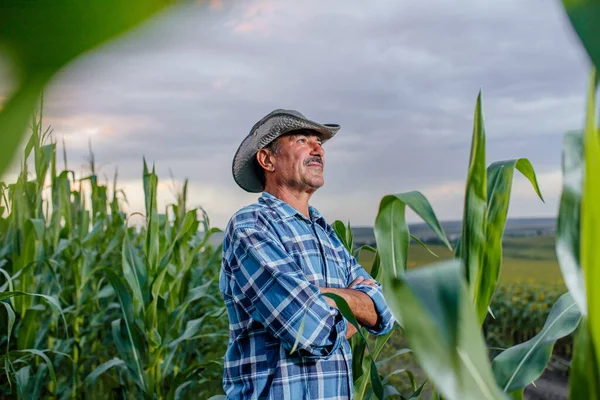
[{"x": 95, "y": 305}]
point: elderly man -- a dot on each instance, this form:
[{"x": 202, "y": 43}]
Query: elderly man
[{"x": 279, "y": 257}]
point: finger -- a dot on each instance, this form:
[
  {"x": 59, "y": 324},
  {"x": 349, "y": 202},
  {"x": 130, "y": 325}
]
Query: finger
[{"x": 356, "y": 281}]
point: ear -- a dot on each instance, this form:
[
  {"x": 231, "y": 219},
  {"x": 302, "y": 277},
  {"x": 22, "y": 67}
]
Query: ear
[{"x": 265, "y": 160}]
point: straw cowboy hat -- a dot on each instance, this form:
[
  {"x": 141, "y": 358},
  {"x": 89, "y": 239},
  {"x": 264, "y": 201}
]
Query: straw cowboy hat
[{"x": 278, "y": 122}]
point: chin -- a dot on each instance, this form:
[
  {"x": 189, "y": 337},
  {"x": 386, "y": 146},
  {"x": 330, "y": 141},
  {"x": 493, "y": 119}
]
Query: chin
[{"x": 316, "y": 184}]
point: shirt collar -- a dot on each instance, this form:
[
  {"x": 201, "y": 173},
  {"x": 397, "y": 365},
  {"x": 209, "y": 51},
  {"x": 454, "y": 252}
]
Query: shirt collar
[{"x": 286, "y": 211}]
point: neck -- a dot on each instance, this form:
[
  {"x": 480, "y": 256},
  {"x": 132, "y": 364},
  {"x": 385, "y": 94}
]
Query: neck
[{"x": 295, "y": 198}]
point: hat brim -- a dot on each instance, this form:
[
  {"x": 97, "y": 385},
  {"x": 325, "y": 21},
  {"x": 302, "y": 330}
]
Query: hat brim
[{"x": 244, "y": 167}]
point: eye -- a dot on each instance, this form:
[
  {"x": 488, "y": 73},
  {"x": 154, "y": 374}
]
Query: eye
[{"x": 302, "y": 140}]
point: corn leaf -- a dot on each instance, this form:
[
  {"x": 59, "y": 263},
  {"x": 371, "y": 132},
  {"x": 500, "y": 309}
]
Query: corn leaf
[
  {"x": 590, "y": 218},
  {"x": 522, "y": 364},
  {"x": 135, "y": 274},
  {"x": 151, "y": 242},
  {"x": 43, "y": 356},
  {"x": 126, "y": 304},
  {"x": 392, "y": 233},
  {"x": 91, "y": 379},
  {"x": 362, "y": 377},
  {"x": 568, "y": 225},
  {"x": 376, "y": 382},
  {"x": 473, "y": 239},
  {"x": 49, "y": 299},
  {"x": 583, "y": 383},
  {"x": 441, "y": 327},
  {"x": 585, "y": 19},
  {"x": 423, "y": 245},
  {"x": 344, "y": 234},
  {"x": 347, "y": 313},
  {"x": 22, "y": 379},
  {"x": 499, "y": 185}
]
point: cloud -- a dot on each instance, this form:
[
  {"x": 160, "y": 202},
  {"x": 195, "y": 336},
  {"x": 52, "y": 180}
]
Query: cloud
[{"x": 401, "y": 78}]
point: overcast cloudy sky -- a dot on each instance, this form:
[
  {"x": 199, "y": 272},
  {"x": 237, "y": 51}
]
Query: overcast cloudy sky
[{"x": 400, "y": 77}]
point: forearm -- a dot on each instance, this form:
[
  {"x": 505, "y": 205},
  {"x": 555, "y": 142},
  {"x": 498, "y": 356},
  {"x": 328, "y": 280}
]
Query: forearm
[
  {"x": 350, "y": 331},
  {"x": 361, "y": 305}
]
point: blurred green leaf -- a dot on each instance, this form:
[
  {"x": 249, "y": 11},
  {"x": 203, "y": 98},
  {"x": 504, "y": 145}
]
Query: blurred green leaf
[
  {"x": 376, "y": 382},
  {"x": 91, "y": 379},
  {"x": 394, "y": 355},
  {"x": 22, "y": 379},
  {"x": 522, "y": 364},
  {"x": 417, "y": 393},
  {"x": 43, "y": 36},
  {"x": 43, "y": 356},
  {"x": 568, "y": 246},
  {"x": 441, "y": 327},
  {"x": 585, "y": 19},
  {"x": 583, "y": 382},
  {"x": 49, "y": 299},
  {"x": 590, "y": 218},
  {"x": 517, "y": 394}
]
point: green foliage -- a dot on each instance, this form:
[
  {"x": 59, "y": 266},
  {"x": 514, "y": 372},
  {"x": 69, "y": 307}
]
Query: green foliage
[
  {"x": 431, "y": 302},
  {"x": 366, "y": 350},
  {"x": 106, "y": 307},
  {"x": 391, "y": 230},
  {"x": 520, "y": 310},
  {"x": 427, "y": 300},
  {"x": 580, "y": 227},
  {"x": 585, "y": 19},
  {"x": 486, "y": 207},
  {"x": 517, "y": 366},
  {"x": 441, "y": 326},
  {"x": 583, "y": 260}
]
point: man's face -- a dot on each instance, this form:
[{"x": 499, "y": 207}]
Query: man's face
[{"x": 300, "y": 161}]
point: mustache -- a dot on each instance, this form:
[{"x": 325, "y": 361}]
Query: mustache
[{"x": 313, "y": 159}]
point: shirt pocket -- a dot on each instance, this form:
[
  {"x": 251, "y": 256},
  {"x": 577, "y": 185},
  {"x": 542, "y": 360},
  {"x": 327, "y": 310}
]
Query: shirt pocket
[{"x": 339, "y": 268}]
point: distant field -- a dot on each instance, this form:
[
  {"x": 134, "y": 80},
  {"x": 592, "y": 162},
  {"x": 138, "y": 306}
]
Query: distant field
[{"x": 528, "y": 259}]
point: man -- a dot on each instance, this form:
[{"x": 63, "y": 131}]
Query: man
[{"x": 279, "y": 258}]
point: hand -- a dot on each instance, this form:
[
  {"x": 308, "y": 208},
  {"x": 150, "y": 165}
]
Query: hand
[{"x": 361, "y": 279}]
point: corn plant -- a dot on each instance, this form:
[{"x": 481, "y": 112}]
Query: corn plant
[
  {"x": 579, "y": 220},
  {"x": 365, "y": 358},
  {"x": 155, "y": 336},
  {"x": 578, "y": 230},
  {"x": 441, "y": 306},
  {"x": 92, "y": 306}
]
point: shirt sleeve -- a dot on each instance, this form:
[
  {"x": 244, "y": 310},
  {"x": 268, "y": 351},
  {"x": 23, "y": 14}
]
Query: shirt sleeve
[
  {"x": 276, "y": 293},
  {"x": 385, "y": 319}
]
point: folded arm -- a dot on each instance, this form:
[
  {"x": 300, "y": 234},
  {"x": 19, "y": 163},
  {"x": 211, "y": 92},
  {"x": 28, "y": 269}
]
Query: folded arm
[
  {"x": 275, "y": 292},
  {"x": 359, "y": 280},
  {"x": 360, "y": 303}
]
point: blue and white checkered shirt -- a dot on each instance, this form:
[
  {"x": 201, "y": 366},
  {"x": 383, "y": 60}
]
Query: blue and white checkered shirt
[{"x": 273, "y": 260}]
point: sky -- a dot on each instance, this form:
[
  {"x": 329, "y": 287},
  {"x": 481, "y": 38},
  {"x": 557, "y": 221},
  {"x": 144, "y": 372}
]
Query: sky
[{"x": 400, "y": 77}]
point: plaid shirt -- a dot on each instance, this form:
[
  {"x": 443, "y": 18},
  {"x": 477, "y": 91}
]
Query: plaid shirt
[{"x": 273, "y": 260}]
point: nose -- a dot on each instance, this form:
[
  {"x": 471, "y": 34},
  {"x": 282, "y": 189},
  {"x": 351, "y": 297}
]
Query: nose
[{"x": 317, "y": 149}]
